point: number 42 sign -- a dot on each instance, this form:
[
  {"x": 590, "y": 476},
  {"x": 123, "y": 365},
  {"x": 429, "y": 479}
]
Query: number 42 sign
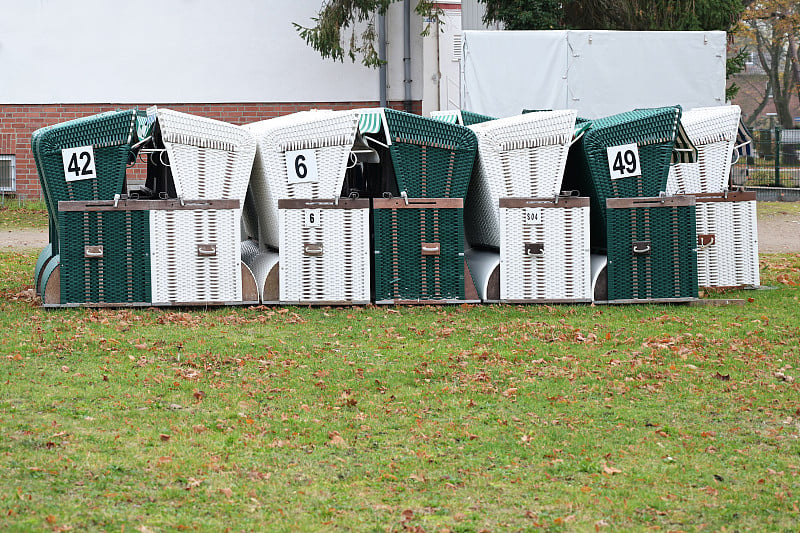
[
  {"x": 623, "y": 161},
  {"x": 78, "y": 163}
]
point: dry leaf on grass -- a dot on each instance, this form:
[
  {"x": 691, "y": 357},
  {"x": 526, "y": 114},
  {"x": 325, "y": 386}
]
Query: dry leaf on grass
[{"x": 335, "y": 439}]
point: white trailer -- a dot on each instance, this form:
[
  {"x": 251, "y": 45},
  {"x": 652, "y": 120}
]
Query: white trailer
[{"x": 597, "y": 72}]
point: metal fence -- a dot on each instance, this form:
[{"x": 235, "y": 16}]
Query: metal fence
[{"x": 774, "y": 160}]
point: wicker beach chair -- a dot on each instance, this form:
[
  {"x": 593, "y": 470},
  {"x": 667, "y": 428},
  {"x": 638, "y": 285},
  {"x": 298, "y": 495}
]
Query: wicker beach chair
[
  {"x": 300, "y": 156},
  {"x": 652, "y": 249},
  {"x": 518, "y": 157},
  {"x": 79, "y": 160},
  {"x": 544, "y": 250},
  {"x": 713, "y": 131},
  {"x": 419, "y": 251},
  {"x": 727, "y": 239},
  {"x": 626, "y": 156},
  {"x": 324, "y": 252}
]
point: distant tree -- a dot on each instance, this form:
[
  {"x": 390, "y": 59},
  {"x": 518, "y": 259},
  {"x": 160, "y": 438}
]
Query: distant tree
[
  {"x": 335, "y": 35},
  {"x": 774, "y": 28},
  {"x": 525, "y": 14}
]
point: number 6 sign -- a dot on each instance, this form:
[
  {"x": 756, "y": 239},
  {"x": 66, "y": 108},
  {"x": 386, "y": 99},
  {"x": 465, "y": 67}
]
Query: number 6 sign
[
  {"x": 301, "y": 166},
  {"x": 623, "y": 161}
]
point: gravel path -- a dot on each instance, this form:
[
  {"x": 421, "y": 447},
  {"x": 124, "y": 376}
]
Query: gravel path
[
  {"x": 22, "y": 239},
  {"x": 779, "y": 233}
]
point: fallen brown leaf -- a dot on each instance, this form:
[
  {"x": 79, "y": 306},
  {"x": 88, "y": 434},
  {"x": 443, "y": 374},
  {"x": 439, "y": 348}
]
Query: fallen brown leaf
[{"x": 336, "y": 440}]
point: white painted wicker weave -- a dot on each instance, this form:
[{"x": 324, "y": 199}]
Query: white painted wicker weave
[
  {"x": 520, "y": 157},
  {"x": 330, "y": 134},
  {"x": 195, "y": 256},
  {"x": 731, "y": 258},
  {"x": 209, "y": 159},
  {"x": 560, "y": 269},
  {"x": 325, "y": 260},
  {"x": 262, "y": 264},
  {"x": 713, "y": 131}
]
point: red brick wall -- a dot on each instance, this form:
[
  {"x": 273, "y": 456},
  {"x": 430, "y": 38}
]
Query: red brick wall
[{"x": 18, "y": 122}]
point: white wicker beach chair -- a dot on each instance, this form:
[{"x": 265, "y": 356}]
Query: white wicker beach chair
[
  {"x": 713, "y": 130},
  {"x": 210, "y": 159},
  {"x": 324, "y": 252},
  {"x": 727, "y": 240},
  {"x": 518, "y": 157},
  {"x": 196, "y": 256},
  {"x": 299, "y": 156},
  {"x": 544, "y": 250}
]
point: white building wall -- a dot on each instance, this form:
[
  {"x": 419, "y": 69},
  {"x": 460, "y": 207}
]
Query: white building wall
[{"x": 90, "y": 51}]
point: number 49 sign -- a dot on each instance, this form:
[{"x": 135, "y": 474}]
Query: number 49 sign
[
  {"x": 301, "y": 166},
  {"x": 623, "y": 161},
  {"x": 78, "y": 163}
]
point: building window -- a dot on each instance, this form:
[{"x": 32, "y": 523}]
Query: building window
[{"x": 8, "y": 173}]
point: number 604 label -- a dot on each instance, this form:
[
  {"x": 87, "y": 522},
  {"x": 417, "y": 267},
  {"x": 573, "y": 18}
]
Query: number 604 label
[
  {"x": 78, "y": 163},
  {"x": 623, "y": 161},
  {"x": 301, "y": 166}
]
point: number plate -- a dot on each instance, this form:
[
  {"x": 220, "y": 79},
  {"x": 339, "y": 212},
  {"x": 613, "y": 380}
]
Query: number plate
[
  {"x": 78, "y": 163},
  {"x": 301, "y": 166},
  {"x": 532, "y": 215},
  {"x": 623, "y": 161},
  {"x": 311, "y": 218}
]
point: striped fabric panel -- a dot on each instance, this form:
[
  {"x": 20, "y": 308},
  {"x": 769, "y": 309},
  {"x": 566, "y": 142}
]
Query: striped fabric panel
[
  {"x": 451, "y": 116},
  {"x": 370, "y": 121},
  {"x": 744, "y": 141},
  {"x": 684, "y": 151}
]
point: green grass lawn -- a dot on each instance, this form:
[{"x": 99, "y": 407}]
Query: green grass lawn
[
  {"x": 766, "y": 209},
  {"x": 470, "y": 418},
  {"x": 27, "y": 214}
]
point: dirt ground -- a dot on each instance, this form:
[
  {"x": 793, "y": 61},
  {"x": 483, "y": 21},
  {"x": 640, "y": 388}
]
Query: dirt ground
[
  {"x": 22, "y": 240},
  {"x": 779, "y": 233},
  {"x": 776, "y": 233}
]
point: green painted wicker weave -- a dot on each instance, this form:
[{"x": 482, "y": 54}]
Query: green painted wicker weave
[
  {"x": 109, "y": 134},
  {"x": 431, "y": 158},
  {"x": 51, "y": 249},
  {"x": 652, "y": 248},
  {"x": 653, "y": 131},
  {"x": 405, "y": 268},
  {"x": 471, "y": 118},
  {"x": 117, "y": 274}
]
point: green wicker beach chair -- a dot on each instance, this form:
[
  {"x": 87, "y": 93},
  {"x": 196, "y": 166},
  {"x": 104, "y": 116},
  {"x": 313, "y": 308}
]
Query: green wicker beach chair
[
  {"x": 625, "y": 156},
  {"x": 652, "y": 249},
  {"x": 430, "y": 158},
  {"x": 419, "y": 251},
  {"x": 83, "y": 159}
]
